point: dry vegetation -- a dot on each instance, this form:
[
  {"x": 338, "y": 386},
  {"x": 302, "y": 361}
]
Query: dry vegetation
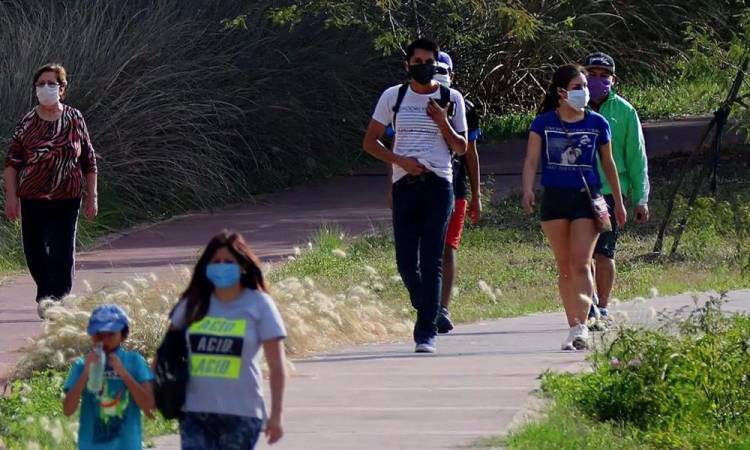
[
  {"x": 184, "y": 112},
  {"x": 316, "y": 320}
]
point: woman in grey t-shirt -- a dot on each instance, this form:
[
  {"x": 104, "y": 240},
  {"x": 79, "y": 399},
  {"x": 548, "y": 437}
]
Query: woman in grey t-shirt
[{"x": 228, "y": 315}]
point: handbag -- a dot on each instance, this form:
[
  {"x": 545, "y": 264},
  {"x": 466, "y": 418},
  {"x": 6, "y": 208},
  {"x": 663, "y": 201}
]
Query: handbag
[{"x": 602, "y": 220}]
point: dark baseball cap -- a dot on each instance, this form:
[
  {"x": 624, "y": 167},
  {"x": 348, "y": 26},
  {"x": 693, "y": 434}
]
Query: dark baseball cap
[{"x": 600, "y": 60}]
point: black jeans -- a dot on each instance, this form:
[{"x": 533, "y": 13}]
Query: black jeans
[
  {"x": 422, "y": 206},
  {"x": 49, "y": 243}
]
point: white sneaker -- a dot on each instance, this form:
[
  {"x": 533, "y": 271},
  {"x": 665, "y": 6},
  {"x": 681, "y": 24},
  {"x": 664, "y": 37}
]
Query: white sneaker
[
  {"x": 581, "y": 338},
  {"x": 425, "y": 347},
  {"x": 578, "y": 338},
  {"x": 567, "y": 344},
  {"x": 43, "y": 305}
]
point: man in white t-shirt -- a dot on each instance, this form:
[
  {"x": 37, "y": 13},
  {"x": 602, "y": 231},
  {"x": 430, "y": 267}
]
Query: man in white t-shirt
[{"x": 430, "y": 124}]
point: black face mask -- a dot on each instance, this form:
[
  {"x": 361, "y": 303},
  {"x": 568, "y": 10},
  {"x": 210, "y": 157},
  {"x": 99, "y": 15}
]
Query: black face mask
[{"x": 422, "y": 73}]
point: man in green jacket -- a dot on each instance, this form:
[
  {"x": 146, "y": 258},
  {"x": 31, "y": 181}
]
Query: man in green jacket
[{"x": 629, "y": 151}]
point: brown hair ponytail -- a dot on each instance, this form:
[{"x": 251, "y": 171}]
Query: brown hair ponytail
[{"x": 560, "y": 80}]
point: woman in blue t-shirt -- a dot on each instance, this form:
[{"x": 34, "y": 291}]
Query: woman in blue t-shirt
[{"x": 571, "y": 141}]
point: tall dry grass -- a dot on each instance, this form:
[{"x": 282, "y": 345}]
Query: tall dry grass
[
  {"x": 146, "y": 80},
  {"x": 184, "y": 112},
  {"x": 316, "y": 320}
]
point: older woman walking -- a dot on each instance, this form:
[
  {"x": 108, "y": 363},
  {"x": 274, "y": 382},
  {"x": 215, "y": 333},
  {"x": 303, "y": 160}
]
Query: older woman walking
[{"x": 49, "y": 164}]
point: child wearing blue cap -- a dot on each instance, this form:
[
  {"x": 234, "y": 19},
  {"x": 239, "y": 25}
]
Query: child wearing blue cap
[{"x": 110, "y": 418}]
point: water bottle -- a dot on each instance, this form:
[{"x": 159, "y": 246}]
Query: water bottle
[{"x": 96, "y": 371}]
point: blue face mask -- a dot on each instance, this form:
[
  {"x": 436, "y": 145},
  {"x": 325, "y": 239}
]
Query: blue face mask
[{"x": 224, "y": 275}]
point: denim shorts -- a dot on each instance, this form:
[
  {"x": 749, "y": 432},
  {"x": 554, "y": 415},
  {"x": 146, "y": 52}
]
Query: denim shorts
[{"x": 208, "y": 431}]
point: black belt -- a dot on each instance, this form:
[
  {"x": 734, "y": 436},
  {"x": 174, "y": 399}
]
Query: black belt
[{"x": 421, "y": 178}]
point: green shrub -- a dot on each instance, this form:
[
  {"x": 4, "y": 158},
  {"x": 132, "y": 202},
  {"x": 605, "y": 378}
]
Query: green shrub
[
  {"x": 32, "y": 412},
  {"x": 684, "y": 384},
  {"x": 498, "y": 128}
]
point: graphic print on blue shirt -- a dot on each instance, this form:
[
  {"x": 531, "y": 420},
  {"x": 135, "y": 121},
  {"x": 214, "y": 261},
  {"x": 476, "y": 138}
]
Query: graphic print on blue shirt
[
  {"x": 571, "y": 149},
  {"x": 113, "y": 402}
]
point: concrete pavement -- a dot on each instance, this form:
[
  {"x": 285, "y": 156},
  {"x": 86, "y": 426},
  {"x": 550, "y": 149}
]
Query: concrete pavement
[
  {"x": 354, "y": 399},
  {"x": 386, "y": 397}
]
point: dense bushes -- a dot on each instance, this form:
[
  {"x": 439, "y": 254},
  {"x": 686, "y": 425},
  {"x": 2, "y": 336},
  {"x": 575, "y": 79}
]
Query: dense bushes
[
  {"x": 504, "y": 49},
  {"x": 684, "y": 385}
]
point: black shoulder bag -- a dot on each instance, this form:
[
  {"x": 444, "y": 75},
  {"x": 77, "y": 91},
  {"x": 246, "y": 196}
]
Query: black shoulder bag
[{"x": 171, "y": 373}]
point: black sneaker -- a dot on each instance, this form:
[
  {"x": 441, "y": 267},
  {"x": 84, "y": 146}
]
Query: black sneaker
[{"x": 444, "y": 324}]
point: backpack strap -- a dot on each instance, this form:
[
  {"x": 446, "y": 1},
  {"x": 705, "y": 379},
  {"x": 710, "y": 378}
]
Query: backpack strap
[
  {"x": 399, "y": 99},
  {"x": 445, "y": 100}
]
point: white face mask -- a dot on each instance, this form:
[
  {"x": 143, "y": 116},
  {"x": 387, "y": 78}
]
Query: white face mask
[
  {"x": 445, "y": 80},
  {"x": 48, "y": 95},
  {"x": 578, "y": 99}
]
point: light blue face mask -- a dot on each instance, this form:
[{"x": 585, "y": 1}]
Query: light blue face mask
[{"x": 224, "y": 275}]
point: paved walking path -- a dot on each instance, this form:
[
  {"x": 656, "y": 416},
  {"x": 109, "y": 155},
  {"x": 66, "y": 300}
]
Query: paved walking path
[{"x": 386, "y": 397}]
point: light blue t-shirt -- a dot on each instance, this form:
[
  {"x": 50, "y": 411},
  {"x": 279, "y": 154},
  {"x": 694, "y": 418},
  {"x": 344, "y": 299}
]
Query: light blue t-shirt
[
  {"x": 111, "y": 421},
  {"x": 569, "y": 149},
  {"x": 225, "y": 377}
]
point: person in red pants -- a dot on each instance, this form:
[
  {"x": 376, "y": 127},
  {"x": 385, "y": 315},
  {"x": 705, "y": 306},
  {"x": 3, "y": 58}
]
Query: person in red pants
[{"x": 463, "y": 166}]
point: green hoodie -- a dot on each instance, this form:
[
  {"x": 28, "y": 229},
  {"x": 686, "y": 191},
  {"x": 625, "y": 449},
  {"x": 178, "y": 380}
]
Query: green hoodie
[{"x": 628, "y": 149}]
